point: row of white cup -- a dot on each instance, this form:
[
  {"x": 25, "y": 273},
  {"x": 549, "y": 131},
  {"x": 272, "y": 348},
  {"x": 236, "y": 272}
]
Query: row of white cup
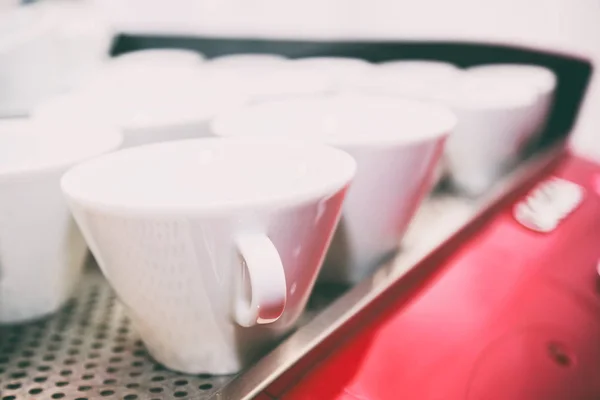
[
  {"x": 55, "y": 46},
  {"x": 166, "y": 222},
  {"x": 158, "y": 95},
  {"x": 214, "y": 244}
]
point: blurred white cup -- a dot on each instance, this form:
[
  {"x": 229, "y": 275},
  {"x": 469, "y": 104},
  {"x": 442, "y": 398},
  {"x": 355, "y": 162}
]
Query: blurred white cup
[
  {"x": 41, "y": 250},
  {"x": 158, "y": 57},
  {"x": 493, "y": 120},
  {"x": 416, "y": 79},
  {"x": 213, "y": 245},
  {"x": 84, "y": 38},
  {"x": 154, "y": 64},
  {"x": 248, "y": 59},
  {"x": 542, "y": 79},
  {"x": 396, "y": 144},
  {"x": 47, "y": 48},
  {"x": 29, "y": 59},
  {"x": 342, "y": 71},
  {"x": 267, "y": 81},
  {"x": 147, "y": 104},
  {"x": 421, "y": 80},
  {"x": 425, "y": 67}
]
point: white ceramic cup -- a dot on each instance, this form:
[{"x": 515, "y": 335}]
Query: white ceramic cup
[
  {"x": 428, "y": 67},
  {"x": 343, "y": 72},
  {"x": 41, "y": 250},
  {"x": 542, "y": 79},
  {"x": 29, "y": 60},
  {"x": 213, "y": 249},
  {"x": 84, "y": 38},
  {"x": 147, "y": 104},
  {"x": 247, "y": 59},
  {"x": 396, "y": 144},
  {"x": 421, "y": 80},
  {"x": 158, "y": 57},
  {"x": 493, "y": 121},
  {"x": 146, "y": 67},
  {"x": 46, "y": 48},
  {"x": 418, "y": 79},
  {"x": 263, "y": 81}
]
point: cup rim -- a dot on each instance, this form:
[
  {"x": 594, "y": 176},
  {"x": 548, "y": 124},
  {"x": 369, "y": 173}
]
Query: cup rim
[
  {"x": 82, "y": 145},
  {"x": 227, "y": 124},
  {"x": 342, "y": 177}
]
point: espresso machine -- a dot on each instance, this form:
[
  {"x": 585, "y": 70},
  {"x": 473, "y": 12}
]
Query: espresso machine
[{"x": 495, "y": 296}]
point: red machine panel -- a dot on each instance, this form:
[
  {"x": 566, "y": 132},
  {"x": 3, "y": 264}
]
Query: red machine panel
[{"x": 513, "y": 313}]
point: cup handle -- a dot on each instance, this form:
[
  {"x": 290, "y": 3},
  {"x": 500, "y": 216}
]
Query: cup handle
[{"x": 260, "y": 289}]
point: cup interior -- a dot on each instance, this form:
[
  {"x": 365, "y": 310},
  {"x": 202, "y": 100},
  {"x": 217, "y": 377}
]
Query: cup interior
[
  {"x": 341, "y": 119},
  {"x": 209, "y": 175},
  {"x": 28, "y": 146}
]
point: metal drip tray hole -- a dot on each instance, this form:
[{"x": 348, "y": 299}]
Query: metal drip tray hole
[{"x": 89, "y": 350}]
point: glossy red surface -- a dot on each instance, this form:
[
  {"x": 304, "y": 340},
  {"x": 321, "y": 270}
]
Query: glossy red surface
[{"x": 509, "y": 314}]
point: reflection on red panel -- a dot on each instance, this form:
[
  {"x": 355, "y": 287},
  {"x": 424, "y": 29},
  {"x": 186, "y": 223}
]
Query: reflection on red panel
[{"x": 514, "y": 314}]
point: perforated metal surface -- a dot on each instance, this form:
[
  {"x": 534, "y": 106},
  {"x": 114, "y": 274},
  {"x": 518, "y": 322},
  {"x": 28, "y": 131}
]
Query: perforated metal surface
[{"x": 89, "y": 351}]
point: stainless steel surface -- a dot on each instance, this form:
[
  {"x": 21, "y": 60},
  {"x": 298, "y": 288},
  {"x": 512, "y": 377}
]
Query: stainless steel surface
[{"x": 90, "y": 351}]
